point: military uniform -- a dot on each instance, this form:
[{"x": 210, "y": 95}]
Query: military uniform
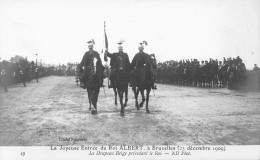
[
  {"x": 255, "y": 69},
  {"x": 138, "y": 62},
  {"x": 114, "y": 63},
  {"x": 86, "y": 62}
]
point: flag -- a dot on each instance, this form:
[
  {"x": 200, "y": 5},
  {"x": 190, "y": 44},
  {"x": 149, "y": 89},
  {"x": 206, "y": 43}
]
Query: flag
[{"x": 106, "y": 42}]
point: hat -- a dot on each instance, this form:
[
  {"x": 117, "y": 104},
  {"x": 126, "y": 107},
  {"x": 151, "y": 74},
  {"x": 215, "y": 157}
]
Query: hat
[
  {"x": 91, "y": 42},
  {"x": 121, "y": 42},
  {"x": 143, "y": 42}
]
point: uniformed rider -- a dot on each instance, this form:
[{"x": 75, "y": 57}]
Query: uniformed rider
[
  {"x": 139, "y": 60},
  {"x": 114, "y": 63},
  {"x": 87, "y": 61}
]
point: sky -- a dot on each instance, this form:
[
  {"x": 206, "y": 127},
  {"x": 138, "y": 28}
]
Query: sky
[{"x": 58, "y": 30}]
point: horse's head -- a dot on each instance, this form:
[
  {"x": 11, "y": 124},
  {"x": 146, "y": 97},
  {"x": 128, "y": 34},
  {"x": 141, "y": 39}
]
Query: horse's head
[
  {"x": 94, "y": 65},
  {"x": 153, "y": 60}
]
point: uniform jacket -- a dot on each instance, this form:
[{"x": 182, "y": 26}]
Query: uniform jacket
[
  {"x": 139, "y": 60},
  {"x": 88, "y": 59},
  {"x": 114, "y": 63}
]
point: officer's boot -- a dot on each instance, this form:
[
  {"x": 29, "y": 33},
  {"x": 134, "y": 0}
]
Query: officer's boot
[
  {"x": 130, "y": 84},
  {"x": 101, "y": 82},
  {"x": 131, "y": 79},
  {"x": 83, "y": 82},
  {"x": 110, "y": 84}
]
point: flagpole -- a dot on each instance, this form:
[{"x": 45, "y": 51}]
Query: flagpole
[{"x": 105, "y": 55}]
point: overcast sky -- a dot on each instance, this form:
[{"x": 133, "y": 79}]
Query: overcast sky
[{"x": 57, "y": 30}]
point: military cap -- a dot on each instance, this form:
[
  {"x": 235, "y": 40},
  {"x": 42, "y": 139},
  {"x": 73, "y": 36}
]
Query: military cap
[{"x": 91, "y": 42}]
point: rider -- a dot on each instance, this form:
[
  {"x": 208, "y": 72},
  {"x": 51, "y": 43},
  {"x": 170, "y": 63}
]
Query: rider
[
  {"x": 86, "y": 62},
  {"x": 114, "y": 63},
  {"x": 139, "y": 60}
]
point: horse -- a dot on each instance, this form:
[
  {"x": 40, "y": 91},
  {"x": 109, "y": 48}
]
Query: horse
[
  {"x": 121, "y": 83},
  {"x": 144, "y": 82},
  {"x": 92, "y": 82}
]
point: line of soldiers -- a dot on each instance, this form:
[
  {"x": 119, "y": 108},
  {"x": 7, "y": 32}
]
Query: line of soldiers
[
  {"x": 139, "y": 60},
  {"x": 212, "y": 73},
  {"x": 22, "y": 71}
]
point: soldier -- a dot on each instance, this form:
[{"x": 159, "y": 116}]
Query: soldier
[
  {"x": 220, "y": 65},
  {"x": 202, "y": 64},
  {"x": 139, "y": 60},
  {"x": 114, "y": 64},
  {"x": 241, "y": 71},
  {"x": 255, "y": 69},
  {"x": 22, "y": 77},
  {"x": 86, "y": 62}
]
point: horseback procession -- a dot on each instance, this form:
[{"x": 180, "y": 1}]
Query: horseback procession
[{"x": 138, "y": 75}]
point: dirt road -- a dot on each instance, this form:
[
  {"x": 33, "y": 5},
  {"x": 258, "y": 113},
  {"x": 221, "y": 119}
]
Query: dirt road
[{"x": 55, "y": 112}]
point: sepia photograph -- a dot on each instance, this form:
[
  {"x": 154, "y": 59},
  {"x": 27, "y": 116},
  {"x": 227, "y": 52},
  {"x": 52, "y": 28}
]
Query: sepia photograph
[{"x": 133, "y": 73}]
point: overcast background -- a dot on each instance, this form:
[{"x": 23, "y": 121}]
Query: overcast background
[{"x": 57, "y": 30}]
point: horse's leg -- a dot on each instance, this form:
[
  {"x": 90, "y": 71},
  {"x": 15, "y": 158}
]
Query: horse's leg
[
  {"x": 120, "y": 93},
  {"x": 94, "y": 100},
  {"x": 147, "y": 99},
  {"x": 143, "y": 98},
  {"x": 115, "y": 91},
  {"x": 89, "y": 98},
  {"x": 126, "y": 96},
  {"x": 96, "y": 97},
  {"x": 136, "y": 92}
]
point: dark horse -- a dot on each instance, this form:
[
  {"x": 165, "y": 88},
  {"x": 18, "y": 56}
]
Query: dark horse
[
  {"x": 93, "y": 81},
  {"x": 121, "y": 82},
  {"x": 141, "y": 83}
]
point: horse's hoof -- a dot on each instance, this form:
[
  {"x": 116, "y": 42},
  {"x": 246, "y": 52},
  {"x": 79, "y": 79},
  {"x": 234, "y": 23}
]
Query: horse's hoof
[
  {"x": 141, "y": 105},
  {"x": 147, "y": 111},
  {"x": 89, "y": 108},
  {"x": 122, "y": 113},
  {"x": 94, "y": 112},
  {"x": 125, "y": 105}
]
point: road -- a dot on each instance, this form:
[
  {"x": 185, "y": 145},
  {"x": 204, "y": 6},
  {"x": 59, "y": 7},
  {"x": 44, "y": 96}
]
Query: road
[{"x": 55, "y": 112}]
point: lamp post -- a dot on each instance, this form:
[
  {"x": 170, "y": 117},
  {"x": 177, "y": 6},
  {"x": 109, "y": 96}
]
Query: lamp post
[{"x": 36, "y": 55}]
